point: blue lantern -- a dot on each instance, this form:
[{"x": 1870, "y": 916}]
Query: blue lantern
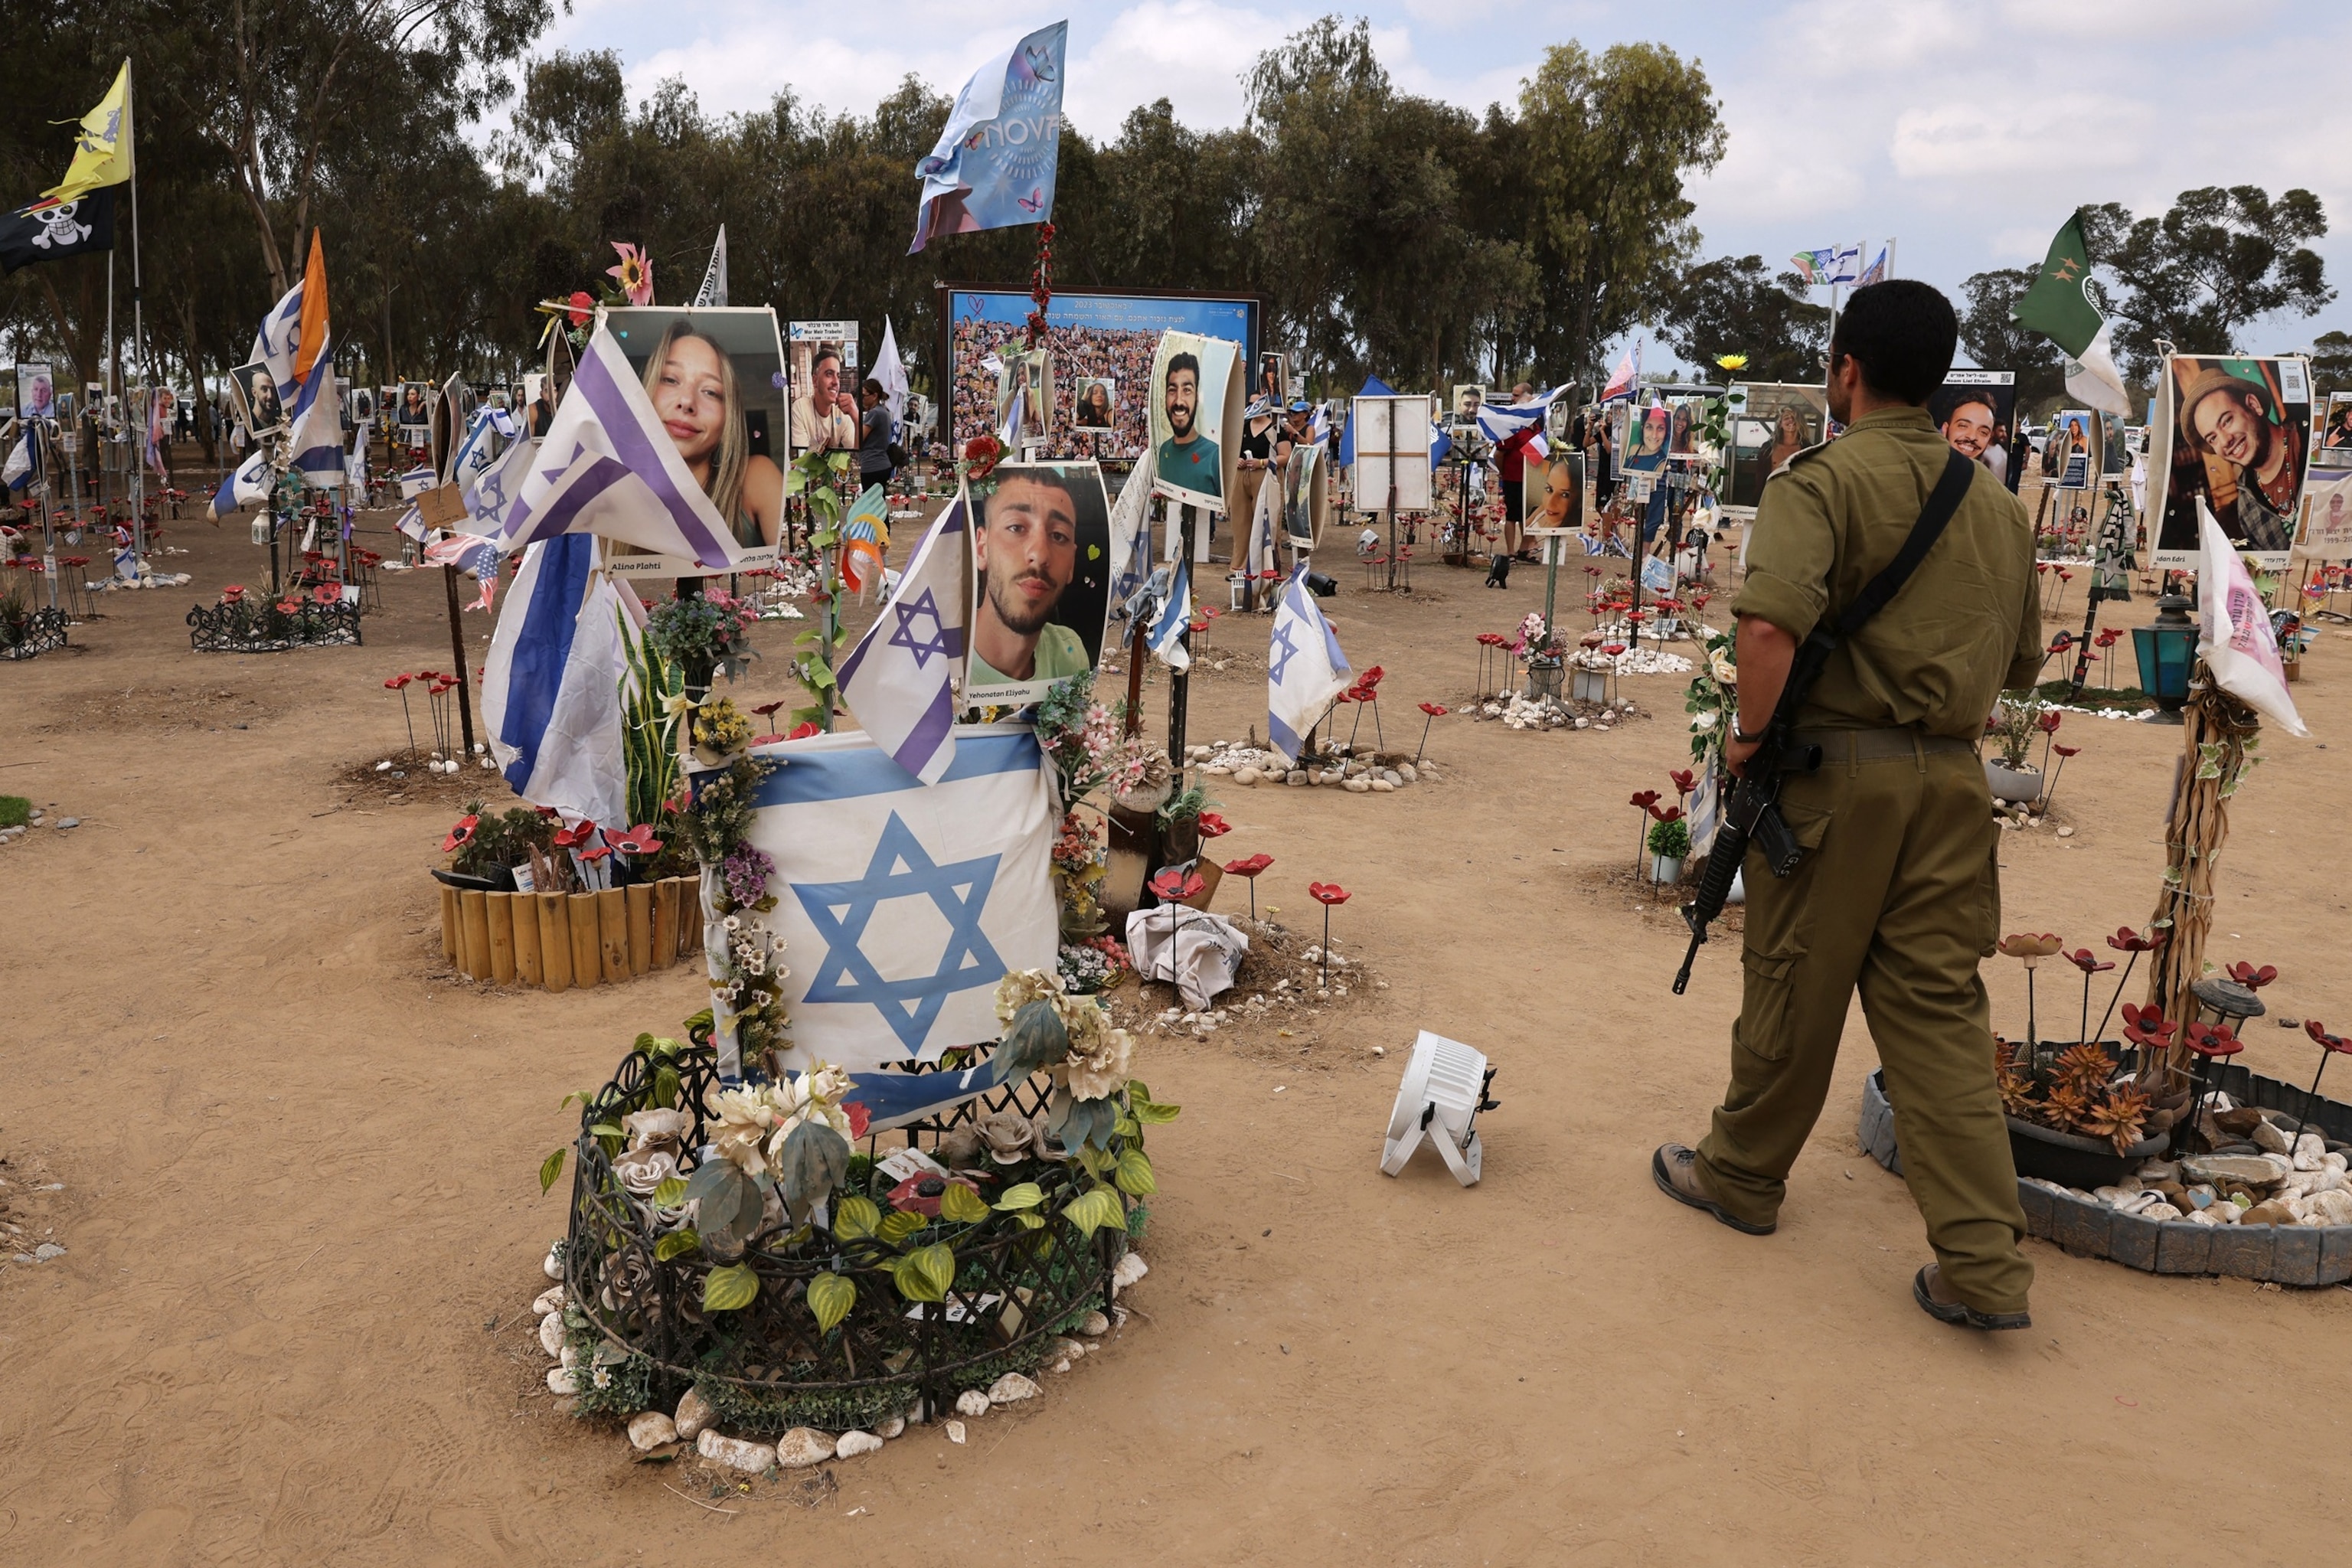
[{"x": 2166, "y": 648}]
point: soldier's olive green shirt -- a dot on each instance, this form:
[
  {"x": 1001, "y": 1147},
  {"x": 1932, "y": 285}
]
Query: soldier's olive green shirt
[{"x": 1964, "y": 627}]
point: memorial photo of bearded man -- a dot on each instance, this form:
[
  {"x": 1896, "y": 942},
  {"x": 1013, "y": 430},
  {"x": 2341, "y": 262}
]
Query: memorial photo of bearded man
[
  {"x": 1188, "y": 459},
  {"x": 1025, "y": 545},
  {"x": 2236, "y": 420},
  {"x": 1969, "y": 427}
]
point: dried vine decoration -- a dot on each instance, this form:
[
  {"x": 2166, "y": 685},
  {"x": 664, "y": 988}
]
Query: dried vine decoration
[
  {"x": 2221, "y": 737},
  {"x": 1040, "y": 284}
]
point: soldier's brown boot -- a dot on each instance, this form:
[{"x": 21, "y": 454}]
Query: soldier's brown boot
[
  {"x": 1935, "y": 1298},
  {"x": 1676, "y": 1169}
]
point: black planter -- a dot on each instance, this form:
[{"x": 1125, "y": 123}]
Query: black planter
[
  {"x": 503, "y": 882},
  {"x": 2076, "y": 1161}
]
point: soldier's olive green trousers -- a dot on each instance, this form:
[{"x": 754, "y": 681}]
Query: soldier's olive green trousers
[{"x": 1899, "y": 896}]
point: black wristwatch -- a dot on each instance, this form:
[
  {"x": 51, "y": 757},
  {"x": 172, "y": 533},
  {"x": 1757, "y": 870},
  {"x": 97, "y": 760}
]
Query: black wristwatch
[{"x": 1746, "y": 739}]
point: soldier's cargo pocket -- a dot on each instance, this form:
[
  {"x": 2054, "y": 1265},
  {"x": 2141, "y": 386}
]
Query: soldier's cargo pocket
[
  {"x": 1780, "y": 915},
  {"x": 1988, "y": 900}
]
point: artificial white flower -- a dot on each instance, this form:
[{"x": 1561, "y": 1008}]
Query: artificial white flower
[
  {"x": 1703, "y": 721},
  {"x": 1023, "y": 986}
]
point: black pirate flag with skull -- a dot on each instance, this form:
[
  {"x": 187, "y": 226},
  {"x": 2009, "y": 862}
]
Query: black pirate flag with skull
[{"x": 60, "y": 228}]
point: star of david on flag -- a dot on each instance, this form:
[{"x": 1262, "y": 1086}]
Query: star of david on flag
[
  {"x": 902, "y": 905},
  {"x": 1304, "y": 668},
  {"x": 897, "y": 679}
]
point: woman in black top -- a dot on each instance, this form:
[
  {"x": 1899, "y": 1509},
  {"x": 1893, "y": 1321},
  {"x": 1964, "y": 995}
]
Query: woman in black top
[{"x": 874, "y": 465}]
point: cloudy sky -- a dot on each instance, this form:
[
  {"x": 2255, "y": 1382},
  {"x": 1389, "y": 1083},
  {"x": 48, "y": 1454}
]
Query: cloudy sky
[{"x": 1967, "y": 131}]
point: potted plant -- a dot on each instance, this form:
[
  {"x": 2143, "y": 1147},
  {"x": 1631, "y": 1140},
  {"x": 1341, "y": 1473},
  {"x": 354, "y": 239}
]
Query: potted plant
[
  {"x": 704, "y": 635},
  {"x": 2014, "y": 723},
  {"x": 1669, "y": 845},
  {"x": 1590, "y": 682},
  {"x": 1179, "y": 824},
  {"x": 721, "y": 730},
  {"x": 1543, "y": 649},
  {"x": 485, "y": 848}
]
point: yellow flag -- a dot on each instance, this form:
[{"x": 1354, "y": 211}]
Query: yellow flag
[{"x": 102, "y": 148}]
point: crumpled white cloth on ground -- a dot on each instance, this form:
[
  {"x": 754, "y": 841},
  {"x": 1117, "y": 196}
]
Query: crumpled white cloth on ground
[{"x": 1198, "y": 953}]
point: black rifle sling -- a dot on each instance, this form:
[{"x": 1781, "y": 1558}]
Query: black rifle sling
[{"x": 1942, "y": 502}]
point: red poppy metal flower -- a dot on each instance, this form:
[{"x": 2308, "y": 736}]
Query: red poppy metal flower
[
  {"x": 803, "y": 729},
  {"x": 1212, "y": 826},
  {"x": 597, "y": 853},
  {"x": 1612, "y": 649},
  {"x": 1644, "y": 799},
  {"x": 767, "y": 709},
  {"x": 1667, "y": 813},
  {"x": 397, "y": 681},
  {"x": 575, "y": 836},
  {"x": 2083, "y": 959},
  {"x": 462, "y": 833},
  {"x": 2326, "y": 1041},
  {"x": 1249, "y": 868},
  {"x": 2061, "y": 642},
  {"x": 1434, "y": 709},
  {"x": 1328, "y": 893},
  {"x": 1685, "y": 780},
  {"x": 233, "y": 592},
  {"x": 1177, "y": 884},
  {"x": 325, "y": 594},
  {"x": 2253, "y": 979},
  {"x": 2212, "y": 1040},
  {"x": 920, "y": 1194},
  {"x": 1371, "y": 678},
  {"x": 638, "y": 841},
  {"x": 2066, "y": 751},
  {"x": 2147, "y": 1026},
  {"x": 860, "y": 1119},
  {"x": 2048, "y": 722},
  {"x": 2126, "y": 939}
]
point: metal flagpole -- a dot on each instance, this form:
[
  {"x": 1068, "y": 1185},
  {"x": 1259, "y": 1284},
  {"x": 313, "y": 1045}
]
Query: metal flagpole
[
  {"x": 137, "y": 342},
  {"x": 107, "y": 388}
]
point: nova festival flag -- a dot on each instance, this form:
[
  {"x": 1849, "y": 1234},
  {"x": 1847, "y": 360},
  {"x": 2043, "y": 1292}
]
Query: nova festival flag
[
  {"x": 295, "y": 343},
  {"x": 901, "y": 905},
  {"x": 897, "y": 679},
  {"x": 2057, "y": 307},
  {"x": 996, "y": 162},
  {"x": 104, "y": 147},
  {"x": 606, "y": 467},
  {"x": 1303, "y": 669}
]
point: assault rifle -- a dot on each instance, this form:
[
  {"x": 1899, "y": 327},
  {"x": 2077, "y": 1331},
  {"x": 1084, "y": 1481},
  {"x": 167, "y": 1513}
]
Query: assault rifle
[{"x": 1753, "y": 812}]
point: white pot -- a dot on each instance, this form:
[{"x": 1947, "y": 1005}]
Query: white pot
[
  {"x": 2012, "y": 783},
  {"x": 1666, "y": 869},
  {"x": 1591, "y": 686}
]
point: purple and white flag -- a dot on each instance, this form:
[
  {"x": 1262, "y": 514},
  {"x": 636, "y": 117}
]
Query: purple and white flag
[
  {"x": 897, "y": 679},
  {"x": 606, "y": 467}
]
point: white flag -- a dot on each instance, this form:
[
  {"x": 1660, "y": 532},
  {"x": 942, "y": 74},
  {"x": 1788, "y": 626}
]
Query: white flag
[
  {"x": 891, "y": 371},
  {"x": 898, "y": 678},
  {"x": 2234, "y": 639},
  {"x": 713, "y": 291},
  {"x": 1304, "y": 668}
]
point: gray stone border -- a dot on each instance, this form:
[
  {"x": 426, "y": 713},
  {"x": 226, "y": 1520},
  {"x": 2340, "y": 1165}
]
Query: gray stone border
[{"x": 2286, "y": 1254}]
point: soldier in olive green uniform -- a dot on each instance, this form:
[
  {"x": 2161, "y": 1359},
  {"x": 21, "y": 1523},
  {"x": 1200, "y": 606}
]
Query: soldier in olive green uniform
[{"x": 1898, "y": 891}]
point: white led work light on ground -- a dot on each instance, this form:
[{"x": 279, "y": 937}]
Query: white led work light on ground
[{"x": 1445, "y": 1090}]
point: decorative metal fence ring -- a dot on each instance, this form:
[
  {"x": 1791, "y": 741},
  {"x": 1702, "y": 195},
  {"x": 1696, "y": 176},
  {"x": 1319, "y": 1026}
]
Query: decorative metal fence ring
[
  {"x": 2307, "y": 1256},
  {"x": 44, "y": 629},
  {"x": 247, "y": 626},
  {"x": 650, "y": 1308}
]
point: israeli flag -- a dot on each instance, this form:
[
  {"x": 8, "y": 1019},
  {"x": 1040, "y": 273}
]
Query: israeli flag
[
  {"x": 246, "y": 485},
  {"x": 1845, "y": 264},
  {"x": 551, "y": 690},
  {"x": 1501, "y": 421},
  {"x": 294, "y": 341},
  {"x": 901, "y": 906},
  {"x": 1130, "y": 538},
  {"x": 1303, "y": 669},
  {"x": 1166, "y": 632},
  {"x": 490, "y": 427},
  {"x": 606, "y": 467},
  {"x": 898, "y": 679},
  {"x": 24, "y": 465},
  {"x": 491, "y": 492}
]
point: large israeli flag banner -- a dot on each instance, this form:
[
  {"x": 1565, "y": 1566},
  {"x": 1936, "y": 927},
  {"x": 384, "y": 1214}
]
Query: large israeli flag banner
[{"x": 900, "y": 904}]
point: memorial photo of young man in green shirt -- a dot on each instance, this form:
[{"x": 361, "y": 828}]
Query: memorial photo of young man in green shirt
[
  {"x": 1041, "y": 582},
  {"x": 1189, "y": 458}
]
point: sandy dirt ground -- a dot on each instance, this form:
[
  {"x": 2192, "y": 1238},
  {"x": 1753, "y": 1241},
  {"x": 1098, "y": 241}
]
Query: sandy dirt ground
[{"x": 291, "y": 1159}]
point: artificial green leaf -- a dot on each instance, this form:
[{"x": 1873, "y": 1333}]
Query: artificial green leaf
[
  {"x": 1152, "y": 1111},
  {"x": 1127, "y": 1127},
  {"x": 1096, "y": 1162},
  {"x": 855, "y": 1216},
  {"x": 701, "y": 1020},
  {"x": 549, "y": 1169},
  {"x": 830, "y": 1297},
  {"x": 671, "y": 1193},
  {"x": 912, "y": 1281},
  {"x": 1028, "y": 1221},
  {"x": 898, "y": 1225},
  {"x": 1134, "y": 1174},
  {"x": 665, "y": 1088},
  {"x": 961, "y": 1204},
  {"x": 1089, "y": 1211},
  {"x": 677, "y": 1244},
  {"x": 1022, "y": 1195},
  {"x": 937, "y": 1264},
  {"x": 605, "y": 1129},
  {"x": 795, "y": 481},
  {"x": 814, "y": 1161},
  {"x": 1035, "y": 1039},
  {"x": 726, "y": 1289},
  {"x": 644, "y": 1041}
]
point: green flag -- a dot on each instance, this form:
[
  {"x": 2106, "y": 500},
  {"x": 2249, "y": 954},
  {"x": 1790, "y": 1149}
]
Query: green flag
[{"x": 2058, "y": 309}]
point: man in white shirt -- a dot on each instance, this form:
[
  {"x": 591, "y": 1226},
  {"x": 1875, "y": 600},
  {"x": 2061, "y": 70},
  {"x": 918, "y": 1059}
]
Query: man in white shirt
[{"x": 835, "y": 430}]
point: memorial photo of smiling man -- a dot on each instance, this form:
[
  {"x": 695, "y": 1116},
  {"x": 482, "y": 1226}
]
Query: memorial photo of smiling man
[
  {"x": 1025, "y": 549},
  {"x": 1188, "y": 457}
]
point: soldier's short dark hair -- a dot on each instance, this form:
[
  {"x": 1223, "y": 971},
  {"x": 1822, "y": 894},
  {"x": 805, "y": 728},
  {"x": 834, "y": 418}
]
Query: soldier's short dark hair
[
  {"x": 1904, "y": 334},
  {"x": 1183, "y": 361}
]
